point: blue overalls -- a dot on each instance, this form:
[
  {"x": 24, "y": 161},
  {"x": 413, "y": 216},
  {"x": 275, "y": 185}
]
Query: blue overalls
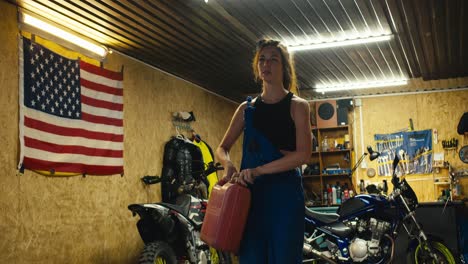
[{"x": 274, "y": 233}]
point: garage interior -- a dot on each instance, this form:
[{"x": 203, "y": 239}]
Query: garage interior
[{"x": 195, "y": 56}]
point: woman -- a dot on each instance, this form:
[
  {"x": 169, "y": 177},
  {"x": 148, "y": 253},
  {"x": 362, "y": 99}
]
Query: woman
[{"x": 275, "y": 226}]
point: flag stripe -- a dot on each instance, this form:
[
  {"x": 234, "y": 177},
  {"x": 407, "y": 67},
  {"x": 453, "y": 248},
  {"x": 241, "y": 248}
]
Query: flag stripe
[
  {"x": 38, "y": 164},
  {"x": 71, "y": 141},
  {"x": 70, "y": 123},
  {"x": 100, "y": 71},
  {"x": 71, "y": 132},
  {"x": 50, "y": 147},
  {"x": 98, "y": 111},
  {"x": 100, "y": 88},
  {"x": 99, "y": 103},
  {"x": 101, "y": 119},
  {"x": 76, "y": 158},
  {"x": 71, "y": 114},
  {"x": 101, "y": 96}
]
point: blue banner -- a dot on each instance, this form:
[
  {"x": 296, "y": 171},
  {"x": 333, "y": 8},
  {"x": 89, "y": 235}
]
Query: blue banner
[{"x": 414, "y": 149}]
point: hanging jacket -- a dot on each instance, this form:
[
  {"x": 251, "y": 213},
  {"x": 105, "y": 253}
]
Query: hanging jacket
[
  {"x": 182, "y": 164},
  {"x": 208, "y": 157}
]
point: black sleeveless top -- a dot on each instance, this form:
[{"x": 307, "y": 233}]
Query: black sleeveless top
[{"x": 274, "y": 121}]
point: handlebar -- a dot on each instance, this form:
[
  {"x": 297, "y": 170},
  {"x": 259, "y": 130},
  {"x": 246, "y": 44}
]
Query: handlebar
[
  {"x": 210, "y": 168},
  {"x": 395, "y": 180},
  {"x": 151, "y": 179},
  {"x": 188, "y": 187}
]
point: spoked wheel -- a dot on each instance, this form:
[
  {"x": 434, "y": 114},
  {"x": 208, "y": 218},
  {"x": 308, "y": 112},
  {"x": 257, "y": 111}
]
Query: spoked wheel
[
  {"x": 219, "y": 257},
  {"x": 157, "y": 252},
  {"x": 421, "y": 255},
  {"x": 214, "y": 256}
]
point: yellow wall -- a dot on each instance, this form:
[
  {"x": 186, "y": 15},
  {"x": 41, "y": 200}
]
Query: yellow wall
[
  {"x": 387, "y": 114},
  {"x": 86, "y": 220}
]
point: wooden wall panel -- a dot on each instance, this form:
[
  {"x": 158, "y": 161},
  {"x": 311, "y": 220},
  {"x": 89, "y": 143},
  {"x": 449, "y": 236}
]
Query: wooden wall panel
[
  {"x": 86, "y": 220},
  {"x": 387, "y": 114},
  {"x": 9, "y": 183}
]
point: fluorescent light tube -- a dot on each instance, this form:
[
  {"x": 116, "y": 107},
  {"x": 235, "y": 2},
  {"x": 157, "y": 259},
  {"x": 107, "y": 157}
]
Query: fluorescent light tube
[
  {"x": 333, "y": 44},
  {"x": 48, "y": 28},
  {"x": 354, "y": 86}
]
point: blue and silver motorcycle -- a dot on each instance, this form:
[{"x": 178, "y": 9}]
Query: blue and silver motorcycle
[{"x": 365, "y": 228}]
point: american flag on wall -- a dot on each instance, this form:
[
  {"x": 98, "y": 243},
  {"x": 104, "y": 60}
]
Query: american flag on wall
[{"x": 71, "y": 114}]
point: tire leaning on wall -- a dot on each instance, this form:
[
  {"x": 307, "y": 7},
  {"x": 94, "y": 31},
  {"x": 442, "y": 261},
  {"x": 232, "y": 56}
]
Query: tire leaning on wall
[{"x": 156, "y": 253}]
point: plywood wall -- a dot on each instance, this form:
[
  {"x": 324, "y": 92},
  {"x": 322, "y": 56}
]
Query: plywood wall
[
  {"x": 437, "y": 110},
  {"x": 86, "y": 220}
]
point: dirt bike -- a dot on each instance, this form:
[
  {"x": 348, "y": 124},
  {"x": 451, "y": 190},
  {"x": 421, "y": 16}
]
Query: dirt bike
[
  {"x": 171, "y": 232},
  {"x": 365, "y": 228}
]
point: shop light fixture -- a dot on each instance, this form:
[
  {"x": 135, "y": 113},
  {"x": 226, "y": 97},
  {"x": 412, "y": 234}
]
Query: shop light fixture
[
  {"x": 33, "y": 24},
  {"x": 332, "y": 44},
  {"x": 354, "y": 86}
]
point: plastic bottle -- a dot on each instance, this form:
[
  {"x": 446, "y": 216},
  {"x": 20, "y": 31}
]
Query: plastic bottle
[
  {"x": 333, "y": 195},
  {"x": 330, "y": 196},
  {"x": 456, "y": 188},
  {"x": 325, "y": 195},
  {"x": 362, "y": 187},
  {"x": 338, "y": 193},
  {"x": 351, "y": 193},
  {"x": 325, "y": 144}
]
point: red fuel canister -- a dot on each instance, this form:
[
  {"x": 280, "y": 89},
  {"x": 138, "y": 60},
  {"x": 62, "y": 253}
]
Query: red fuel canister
[{"x": 226, "y": 217}]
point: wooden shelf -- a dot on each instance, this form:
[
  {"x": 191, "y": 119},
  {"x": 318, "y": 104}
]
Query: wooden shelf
[
  {"x": 309, "y": 176},
  {"x": 336, "y": 151},
  {"x": 451, "y": 148},
  {"x": 335, "y": 175},
  {"x": 330, "y": 128},
  {"x": 324, "y": 159},
  {"x": 323, "y": 175}
]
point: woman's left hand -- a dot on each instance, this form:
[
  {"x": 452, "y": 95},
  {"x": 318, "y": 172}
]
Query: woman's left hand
[{"x": 247, "y": 176}]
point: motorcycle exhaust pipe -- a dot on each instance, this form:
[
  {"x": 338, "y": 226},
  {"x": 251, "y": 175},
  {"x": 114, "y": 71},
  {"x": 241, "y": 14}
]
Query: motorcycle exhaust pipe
[
  {"x": 308, "y": 249},
  {"x": 393, "y": 248}
]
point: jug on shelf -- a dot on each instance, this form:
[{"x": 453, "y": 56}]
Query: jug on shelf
[{"x": 325, "y": 144}]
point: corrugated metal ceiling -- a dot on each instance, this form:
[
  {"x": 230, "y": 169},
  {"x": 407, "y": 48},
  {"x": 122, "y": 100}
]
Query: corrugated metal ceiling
[{"x": 211, "y": 44}]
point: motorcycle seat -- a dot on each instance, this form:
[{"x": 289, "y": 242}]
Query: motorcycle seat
[
  {"x": 182, "y": 205},
  {"x": 326, "y": 218},
  {"x": 176, "y": 208}
]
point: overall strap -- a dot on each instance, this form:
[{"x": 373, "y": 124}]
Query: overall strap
[{"x": 248, "y": 113}]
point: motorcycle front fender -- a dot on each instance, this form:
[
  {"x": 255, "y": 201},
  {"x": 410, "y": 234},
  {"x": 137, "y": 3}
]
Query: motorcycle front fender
[{"x": 414, "y": 242}]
